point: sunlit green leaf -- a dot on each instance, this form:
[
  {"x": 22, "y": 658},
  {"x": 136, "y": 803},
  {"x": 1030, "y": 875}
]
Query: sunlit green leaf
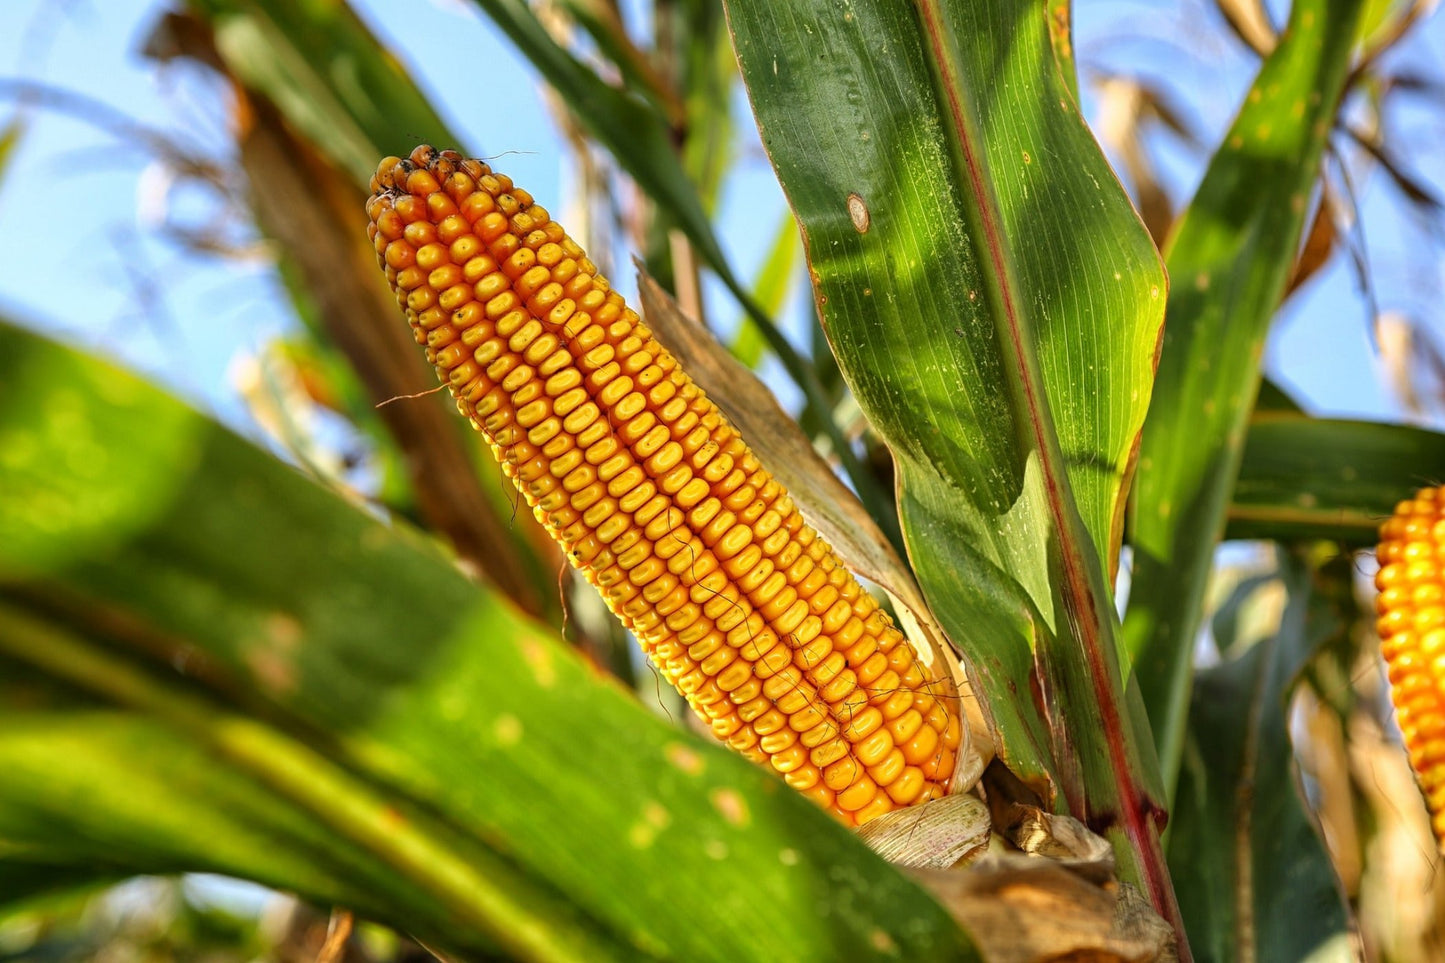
[
  {"x": 995, "y": 305},
  {"x": 1229, "y": 259},
  {"x": 770, "y": 288}
]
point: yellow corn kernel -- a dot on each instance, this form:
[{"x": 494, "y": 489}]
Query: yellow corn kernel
[
  {"x": 654, "y": 497},
  {"x": 1411, "y": 607}
]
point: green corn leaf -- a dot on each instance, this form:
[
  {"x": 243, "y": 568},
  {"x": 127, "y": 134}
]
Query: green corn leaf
[
  {"x": 1306, "y": 478},
  {"x": 770, "y": 289},
  {"x": 1229, "y": 260},
  {"x": 995, "y": 306},
  {"x": 1253, "y": 876},
  {"x": 288, "y": 689}
]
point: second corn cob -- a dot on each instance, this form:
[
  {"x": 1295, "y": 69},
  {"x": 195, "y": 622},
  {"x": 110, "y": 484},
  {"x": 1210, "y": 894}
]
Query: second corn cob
[
  {"x": 1411, "y": 607},
  {"x": 653, "y": 495}
]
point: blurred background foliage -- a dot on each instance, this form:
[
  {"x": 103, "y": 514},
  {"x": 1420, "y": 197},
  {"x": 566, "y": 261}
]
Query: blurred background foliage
[{"x": 219, "y": 233}]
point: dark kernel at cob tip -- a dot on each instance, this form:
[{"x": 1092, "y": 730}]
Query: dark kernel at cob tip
[
  {"x": 655, "y": 497},
  {"x": 1411, "y": 624}
]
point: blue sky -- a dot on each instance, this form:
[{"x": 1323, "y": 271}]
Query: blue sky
[{"x": 77, "y": 204}]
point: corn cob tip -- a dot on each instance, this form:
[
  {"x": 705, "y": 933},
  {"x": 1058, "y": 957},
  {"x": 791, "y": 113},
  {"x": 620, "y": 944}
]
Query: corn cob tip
[
  {"x": 1411, "y": 625},
  {"x": 654, "y": 497}
]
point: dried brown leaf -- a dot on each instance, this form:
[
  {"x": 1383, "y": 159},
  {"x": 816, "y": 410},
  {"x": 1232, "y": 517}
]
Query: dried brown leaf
[
  {"x": 338, "y": 936},
  {"x": 1318, "y": 246},
  {"x": 1413, "y": 362},
  {"x": 1025, "y": 909},
  {"x": 1417, "y": 192},
  {"x": 1401, "y": 901},
  {"x": 1156, "y": 105},
  {"x": 1066, "y": 841},
  {"x": 276, "y": 395},
  {"x": 1394, "y": 343},
  {"x": 1250, "y": 22},
  {"x": 316, "y": 213}
]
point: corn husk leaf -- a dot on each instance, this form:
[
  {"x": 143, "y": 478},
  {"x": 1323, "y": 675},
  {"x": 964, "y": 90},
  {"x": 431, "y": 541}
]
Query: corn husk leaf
[
  {"x": 932, "y": 835},
  {"x": 1035, "y": 911},
  {"x": 828, "y": 505}
]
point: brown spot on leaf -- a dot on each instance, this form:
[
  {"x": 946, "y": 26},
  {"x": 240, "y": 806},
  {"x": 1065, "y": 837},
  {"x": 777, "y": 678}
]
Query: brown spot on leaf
[
  {"x": 858, "y": 213},
  {"x": 539, "y": 659},
  {"x": 655, "y": 818},
  {"x": 681, "y": 757},
  {"x": 274, "y": 671},
  {"x": 731, "y": 805},
  {"x": 508, "y": 730},
  {"x": 283, "y": 630}
]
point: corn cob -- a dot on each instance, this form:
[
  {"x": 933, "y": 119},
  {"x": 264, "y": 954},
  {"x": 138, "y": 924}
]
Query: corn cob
[
  {"x": 1411, "y": 607},
  {"x": 655, "y": 498}
]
